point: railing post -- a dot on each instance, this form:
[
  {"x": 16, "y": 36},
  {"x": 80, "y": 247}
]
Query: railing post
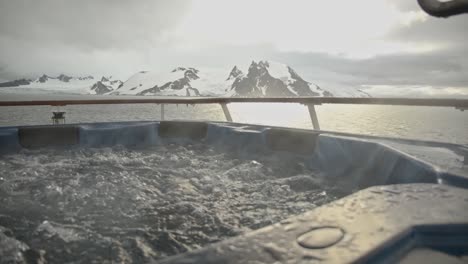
[
  {"x": 227, "y": 114},
  {"x": 313, "y": 116},
  {"x": 162, "y": 111}
]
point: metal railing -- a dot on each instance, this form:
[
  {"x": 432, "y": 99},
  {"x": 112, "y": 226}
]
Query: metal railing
[{"x": 310, "y": 102}]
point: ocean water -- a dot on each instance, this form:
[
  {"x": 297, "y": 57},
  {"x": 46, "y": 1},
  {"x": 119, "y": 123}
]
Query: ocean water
[
  {"x": 115, "y": 205},
  {"x": 425, "y": 123}
]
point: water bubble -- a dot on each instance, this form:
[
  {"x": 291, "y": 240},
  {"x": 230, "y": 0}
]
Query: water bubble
[{"x": 182, "y": 200}]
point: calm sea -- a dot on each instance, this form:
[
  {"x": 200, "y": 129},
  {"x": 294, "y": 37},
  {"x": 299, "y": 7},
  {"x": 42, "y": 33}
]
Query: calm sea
[{"x": 425, "y": 123}]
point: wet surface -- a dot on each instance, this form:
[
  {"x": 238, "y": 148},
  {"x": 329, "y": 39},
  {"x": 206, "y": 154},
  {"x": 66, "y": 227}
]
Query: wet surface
[
  {"x": 320, "y": 237},
  {"x": 137, "y": 205}
]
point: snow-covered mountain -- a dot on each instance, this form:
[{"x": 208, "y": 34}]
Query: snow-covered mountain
[
  {"x": 271, "y": 79},
  {"x": 16, "y": 83},
  {"x": 61, "y": 83},
  {"x": 263, "y": 78},
  {"x": 181, "y": 81},
  {"x": 105, "y": 85},
  {"x": 178, "y": 82},
  {"x": 66, "y": 84}
]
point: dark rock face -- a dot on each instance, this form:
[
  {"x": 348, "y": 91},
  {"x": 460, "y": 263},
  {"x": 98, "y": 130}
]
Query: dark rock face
[
  {"x": 116, "y": 81},
  {"x": 89, "y": 77},
  {"x": 152, "y": 90},
  {"x": 105, "y": 85},
  {"x": 300, "y": 86},
  {"x": 15, "y": 83},
  {"x": 194, "y": 92},
  {"x": 43, "y": 78},
  {"x": 179, "y": 84},
  {"x": 235, "y": 72},
  {"x": 259, "y": 82},
  {"x": 184, "y": 82},
  {"x": 101, "y": 88},
  {"x": 327, "y": 94},
  {"x": 189, "y": 73},
  {"x": 64, "y": 78}
]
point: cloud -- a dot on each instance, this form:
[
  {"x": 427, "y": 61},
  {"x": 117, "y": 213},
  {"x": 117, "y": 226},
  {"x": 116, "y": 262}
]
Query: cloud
[
  {"x": 416, "y": 91},
  {"x": 441, "y": 68},
  {"x": 402, "y": 46},
  {"x": 445, "y": 32},
  {"x": 82, "y": 37},
  {"x": 89, "y": 24},
  {"x": 405, "y": 5},
  {"x": 440, "y": 63},
  {"x": 296, "y": 25}
]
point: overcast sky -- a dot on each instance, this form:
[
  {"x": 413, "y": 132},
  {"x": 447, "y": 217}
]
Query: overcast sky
[{"x": 381, "y": 45}]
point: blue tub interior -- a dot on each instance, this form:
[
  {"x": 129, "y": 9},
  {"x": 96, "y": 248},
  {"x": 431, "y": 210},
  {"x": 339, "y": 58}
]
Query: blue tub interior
[{"x": 356, "y": 163}]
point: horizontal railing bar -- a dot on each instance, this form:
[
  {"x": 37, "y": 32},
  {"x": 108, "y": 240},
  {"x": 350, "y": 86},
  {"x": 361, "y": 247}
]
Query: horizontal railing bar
[{"x": 458, "y": 103}]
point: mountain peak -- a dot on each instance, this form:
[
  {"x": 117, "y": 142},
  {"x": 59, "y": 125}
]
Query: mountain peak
[
  {"x": 235, "y": 72},
  {"x": 263, "y": 64},
  {"x": 43, "y": 78},
  {"x": 105, "y": 85},
  {"x": 100, "y": 88},
  {"x": 64, "y": 78},
  {"x": 89, "y": 77},
  {"x": 266, "y": 78},
  {"x": 189, "y": 72},
  {"x": 262, "y": 78}
]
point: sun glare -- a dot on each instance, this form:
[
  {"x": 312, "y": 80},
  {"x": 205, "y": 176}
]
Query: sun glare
[{"x": 349, "y": 28}]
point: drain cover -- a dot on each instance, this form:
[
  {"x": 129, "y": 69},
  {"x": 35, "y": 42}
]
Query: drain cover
[{"x": 321, "y": 237}]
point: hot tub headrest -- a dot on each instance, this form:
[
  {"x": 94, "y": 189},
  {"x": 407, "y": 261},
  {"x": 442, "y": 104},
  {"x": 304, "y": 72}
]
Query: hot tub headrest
[
  {"x": 291, "y": 140},
  {"x": 183, "y": 129},
  {"x": 44, "y": 136}
]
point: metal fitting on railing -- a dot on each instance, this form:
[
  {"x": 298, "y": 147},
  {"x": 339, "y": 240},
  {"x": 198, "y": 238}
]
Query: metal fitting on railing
[{"x": 227, "y": 114}]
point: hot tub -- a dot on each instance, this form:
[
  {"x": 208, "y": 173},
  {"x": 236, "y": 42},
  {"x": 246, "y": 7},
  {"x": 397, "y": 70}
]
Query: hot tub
[{"x": 206, "y": 192}]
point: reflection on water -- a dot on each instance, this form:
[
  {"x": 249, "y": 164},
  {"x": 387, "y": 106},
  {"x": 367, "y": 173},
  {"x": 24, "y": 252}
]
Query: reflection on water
[{"x": 428, "y": 123}]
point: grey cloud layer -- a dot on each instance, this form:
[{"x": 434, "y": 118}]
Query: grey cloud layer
[
  {"x": 89, "y": 24},
  {"x": 442, "y": 68},
  {"x": 82, "y": 37},
  {"x": 446, "y": 66},
  {"x": 122, "y": 37},
  {"x": 452, "y": 31},
  {"x": 405, "y": 5}
]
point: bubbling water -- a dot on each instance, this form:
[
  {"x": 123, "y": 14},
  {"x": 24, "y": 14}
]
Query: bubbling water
[{"x": 136, "y": 205}]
